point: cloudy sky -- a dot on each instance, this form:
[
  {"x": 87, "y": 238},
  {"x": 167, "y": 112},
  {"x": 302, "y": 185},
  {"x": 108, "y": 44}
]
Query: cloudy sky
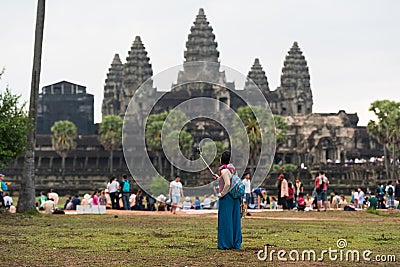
[{"x": 352, "y": 47}]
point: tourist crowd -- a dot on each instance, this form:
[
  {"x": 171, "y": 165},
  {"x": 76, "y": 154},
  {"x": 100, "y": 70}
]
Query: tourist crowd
[{"x": 118, "y": 194}]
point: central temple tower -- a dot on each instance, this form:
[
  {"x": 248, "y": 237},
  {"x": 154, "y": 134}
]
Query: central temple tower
[
  {"x": 295, "y": 94},
  {"x": 202, "y": 63}
]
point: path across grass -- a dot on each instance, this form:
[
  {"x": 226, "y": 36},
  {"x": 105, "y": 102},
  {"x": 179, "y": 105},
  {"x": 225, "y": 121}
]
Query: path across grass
[{"x": 134, "y": 239}]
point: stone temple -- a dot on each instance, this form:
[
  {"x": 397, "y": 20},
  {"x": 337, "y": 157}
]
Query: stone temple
[{"x": 313, "y": 138}]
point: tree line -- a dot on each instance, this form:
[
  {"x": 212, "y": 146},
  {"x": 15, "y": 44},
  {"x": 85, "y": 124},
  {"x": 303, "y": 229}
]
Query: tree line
[{"x": 386, "y": 130}]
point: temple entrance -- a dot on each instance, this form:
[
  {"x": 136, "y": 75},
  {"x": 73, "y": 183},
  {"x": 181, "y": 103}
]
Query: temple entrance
[{"x": 326, "y": 150}]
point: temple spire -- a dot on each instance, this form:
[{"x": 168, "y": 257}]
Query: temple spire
[
  {"x": 113, "y": 88},
  {"x": 295, "y": 73},
  {"x": 295, "y": 91},
  {"x": 257, "y": 75},
  {"x": 201, "y": 44},
  {"x": 136, "y": 71}
]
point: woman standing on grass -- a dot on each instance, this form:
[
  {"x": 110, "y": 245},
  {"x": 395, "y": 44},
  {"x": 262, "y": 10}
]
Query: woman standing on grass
[{"x": 229, "y": 224}]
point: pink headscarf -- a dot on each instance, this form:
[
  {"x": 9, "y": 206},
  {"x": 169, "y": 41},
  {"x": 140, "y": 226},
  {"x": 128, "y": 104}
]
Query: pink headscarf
[{"x": 230, "y": 167}]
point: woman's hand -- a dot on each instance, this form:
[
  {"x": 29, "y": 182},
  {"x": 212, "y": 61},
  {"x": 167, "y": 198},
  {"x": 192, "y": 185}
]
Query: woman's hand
[{"x": 215, "y": 176}]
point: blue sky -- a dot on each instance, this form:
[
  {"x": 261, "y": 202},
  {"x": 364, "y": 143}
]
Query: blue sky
[{"x": 352, "y": 47}]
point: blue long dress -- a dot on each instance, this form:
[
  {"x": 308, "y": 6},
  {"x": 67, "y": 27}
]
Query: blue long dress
[{"x": 229, "y": 224}]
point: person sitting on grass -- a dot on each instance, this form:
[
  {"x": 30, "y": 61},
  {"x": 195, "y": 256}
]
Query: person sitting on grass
[
  {"x": 274, "y": 205},
  {"x": 197, "y": 204},
  {"x": 75, "y": 201},
  {"x": 49, "y": 206},
  {"x": 265, "y": 202},
  {"x": 41, "y": 199},
  {"x": 103, "y": 198},
  {"x": 335, "y": 200},
  {"x": 373, "y": 202},
  {"x": 301, "y": 203},
  {"x": 342, "y": 202},
  {"x": 95, "y": 198},
  {"x": 7, "y": 200},
  {"x": 206, "y": 203},
  {"x": 68, "y": 204},
  {"x": 309, "y": 202},
  {"x": 85, "y": 200},
  {"x": 187, "y": 204},
  {"x": 53, "y": 195},
  {"x": 161, "y": 206}
]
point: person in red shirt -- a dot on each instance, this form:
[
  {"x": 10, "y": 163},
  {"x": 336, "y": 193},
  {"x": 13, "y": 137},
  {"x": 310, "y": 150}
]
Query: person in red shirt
[
  {"x": 290, "y": 198},
  {"x": 321, "y": 185}
]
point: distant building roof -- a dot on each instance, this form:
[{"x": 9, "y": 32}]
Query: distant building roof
[{"x": 64, "y": 88}]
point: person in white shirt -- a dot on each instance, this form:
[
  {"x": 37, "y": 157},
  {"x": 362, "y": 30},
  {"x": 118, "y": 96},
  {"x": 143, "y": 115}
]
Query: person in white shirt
[
  {"x": 53, "y": 195},
  {"x": 7, "y": 200},
  {"x": 113, "y": 191},
  {"x": 206, "y": 203},
  {"x": 132, "y": 200},
  {"x": 355, "y": 196},
  {"x": 176, "y": 192},
  {"x": 247, "y": 189},
  {"x": 49, "y": 206}
]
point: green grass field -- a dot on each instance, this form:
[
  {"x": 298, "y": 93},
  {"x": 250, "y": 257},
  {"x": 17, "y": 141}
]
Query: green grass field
[{"x": 166, "y": 240}]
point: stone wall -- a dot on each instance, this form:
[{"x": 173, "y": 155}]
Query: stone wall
[{"x": 342, "y": 179}]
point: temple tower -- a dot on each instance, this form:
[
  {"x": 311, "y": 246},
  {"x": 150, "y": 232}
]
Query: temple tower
[
  {"x": 256, "y": 80},
  {"x": 113, "y": 88},
  {"x": 295, "y": 93},
  {"x": 137, "y": 70},
  {"x": 257, "y": 75},
  {"x": 201, "y": 47},
  {"x": 201, "y": 44}
]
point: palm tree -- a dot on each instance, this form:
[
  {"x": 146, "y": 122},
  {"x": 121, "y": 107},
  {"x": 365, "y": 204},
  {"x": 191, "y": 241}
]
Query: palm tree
[
  {"x": 156, "y": 126},
  {"x": 153, "y": 139},
  {"x": 110, "y": 135},
  {"x": 377, "y": 131},
  {"x": 257, "y": 136},
  {"x": 207, "y": 150},
  {"x": 281, "y": 131},
  {"x": 27, "y": 190},
  {"x": 64, "y": 134},
  {"x": 184, "y": 145}
]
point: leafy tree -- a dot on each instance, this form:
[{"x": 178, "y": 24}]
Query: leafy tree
[
  {"x": 185, "y": 145},
  {"x": 110, "y": 135},
  {"x": 208, "y": 154},
  {"x": 252, "y": 127},
  {"x": 287, "y": 167},
  {"x": 159, "y": 130},
  {"x": 386, "y": 129},
  {"x": 27, "y": 190},
  {"x": 154, "y": 124},
  {"x": 153, "y": 139},
  {"x": 14, "y": 126},
  {"x": 281, "y": 130},
  {"x": 63, "y": 140},
  {"x": 156, "y": 117}
]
